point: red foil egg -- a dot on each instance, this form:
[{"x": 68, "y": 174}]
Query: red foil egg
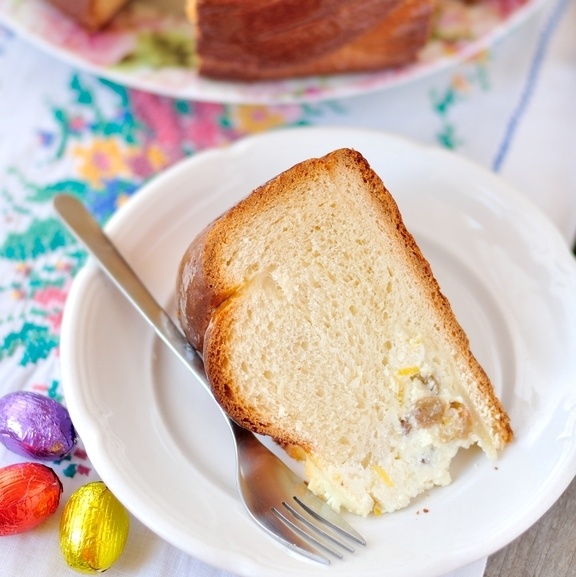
[
  {"x": 36, "y": 426},
  {"x": 29, "y": 494}
]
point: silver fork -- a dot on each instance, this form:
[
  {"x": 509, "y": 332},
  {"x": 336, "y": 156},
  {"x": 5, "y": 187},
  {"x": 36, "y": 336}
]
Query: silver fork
[{"x": 276, "y": 498}]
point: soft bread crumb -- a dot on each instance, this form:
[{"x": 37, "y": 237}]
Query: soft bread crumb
[{"x": 322, "y": 325}]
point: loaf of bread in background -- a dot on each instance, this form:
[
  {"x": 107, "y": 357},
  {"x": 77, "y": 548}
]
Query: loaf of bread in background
[
  {"x": 277, "y": 39},
  {"x": 92, "y": 14},
  {"x": 322, "y": 325},
  {"x": 251, "y": 40}
]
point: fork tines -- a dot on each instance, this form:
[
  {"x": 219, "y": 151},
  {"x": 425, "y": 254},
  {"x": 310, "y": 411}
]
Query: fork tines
[{"x": 330, "y": 533}]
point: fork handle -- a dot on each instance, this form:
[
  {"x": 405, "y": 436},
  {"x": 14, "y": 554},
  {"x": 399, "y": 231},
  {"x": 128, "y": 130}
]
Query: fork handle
[{"x": 83, "y": 226}]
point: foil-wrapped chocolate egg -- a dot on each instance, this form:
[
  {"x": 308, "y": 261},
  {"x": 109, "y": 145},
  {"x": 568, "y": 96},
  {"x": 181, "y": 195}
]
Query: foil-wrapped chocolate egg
[
  {"x": 93, "y": 529},
  {"x": 36, "y": 426},
  {"x": 29, "y": 494}
]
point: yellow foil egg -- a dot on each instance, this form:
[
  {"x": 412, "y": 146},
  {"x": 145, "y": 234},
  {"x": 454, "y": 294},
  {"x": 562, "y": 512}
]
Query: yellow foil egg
[{"x": 93, "y": 529}]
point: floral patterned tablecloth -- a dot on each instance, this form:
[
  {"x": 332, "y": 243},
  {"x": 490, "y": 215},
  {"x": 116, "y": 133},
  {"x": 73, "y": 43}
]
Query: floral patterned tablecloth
[{"x": 62, "y": 129}]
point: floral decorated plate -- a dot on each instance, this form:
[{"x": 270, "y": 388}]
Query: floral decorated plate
[{"x": 150, "y": 46}]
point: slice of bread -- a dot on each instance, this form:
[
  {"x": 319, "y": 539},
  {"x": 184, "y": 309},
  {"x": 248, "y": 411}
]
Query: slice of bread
[{"x": 321, "y": 325}]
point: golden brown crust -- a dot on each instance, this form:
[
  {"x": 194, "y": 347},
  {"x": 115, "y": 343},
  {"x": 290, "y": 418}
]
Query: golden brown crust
[
  {"x": 274, "y": 39},
  {"x": 197, "y": 295},
  {"x": 394, "y": 42},
  {"x": 206, "y": 298}
]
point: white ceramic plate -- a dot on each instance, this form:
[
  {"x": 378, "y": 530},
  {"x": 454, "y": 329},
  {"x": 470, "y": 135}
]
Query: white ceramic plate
[
  {"x": 164, "y": 450},
  {"x": 149, "y": 45}
]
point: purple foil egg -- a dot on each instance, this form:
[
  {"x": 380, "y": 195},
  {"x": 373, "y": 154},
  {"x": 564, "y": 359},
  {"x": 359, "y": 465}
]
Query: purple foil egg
[{"x": 36, "y": 426}]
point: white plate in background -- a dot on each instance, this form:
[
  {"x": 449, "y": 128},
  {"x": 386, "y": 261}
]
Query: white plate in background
[{"x": 150, "y": 46}]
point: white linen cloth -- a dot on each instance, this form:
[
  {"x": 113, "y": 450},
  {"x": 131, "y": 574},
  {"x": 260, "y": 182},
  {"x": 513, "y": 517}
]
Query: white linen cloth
[{"x": 512, "y": 109}]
